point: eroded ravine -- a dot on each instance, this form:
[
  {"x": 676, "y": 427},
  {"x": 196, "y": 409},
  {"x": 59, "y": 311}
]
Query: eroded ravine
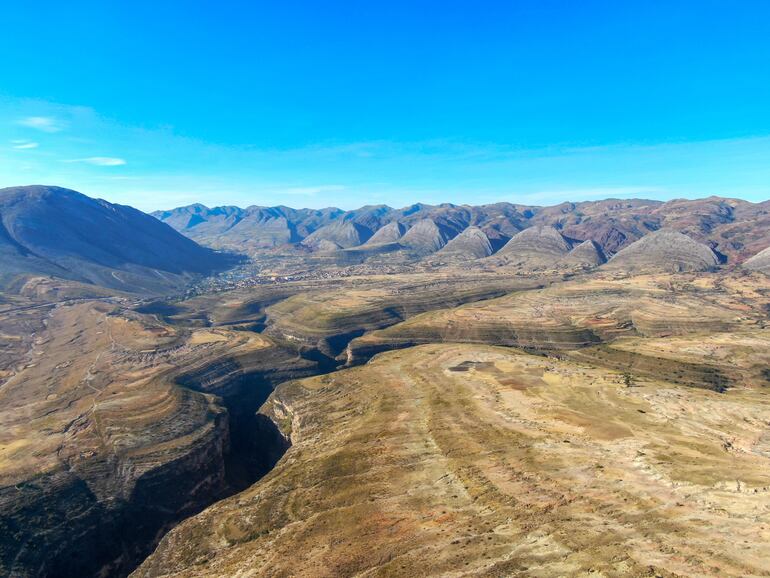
[
  {"x": 147, "y": 453},
  {"x": 117, "y": 426},
  {"x": 254, "y": 442},
  {"x": 147, "y": 444},
  {"x": 496, "y": 462}
]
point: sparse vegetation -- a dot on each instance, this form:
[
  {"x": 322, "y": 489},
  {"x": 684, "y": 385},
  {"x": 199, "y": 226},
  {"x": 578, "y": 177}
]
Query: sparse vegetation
[{"x": 500, "y": 426}]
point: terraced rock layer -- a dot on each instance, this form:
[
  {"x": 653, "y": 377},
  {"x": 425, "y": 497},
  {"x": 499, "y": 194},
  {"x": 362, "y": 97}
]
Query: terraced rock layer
[
  {"x": 326, "y": 320},
  {"x": 101, "y": 450},
  {"x": 446, "y": 459},
  {"x": 713, "y": 361},
  {"x": 577, "y": 314}
]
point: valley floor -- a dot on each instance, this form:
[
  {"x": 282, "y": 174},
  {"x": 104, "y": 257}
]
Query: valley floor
[{"x": 449, "y": 423}]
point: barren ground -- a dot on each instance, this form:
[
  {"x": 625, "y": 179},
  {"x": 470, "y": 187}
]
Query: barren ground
[{"x": 451, "y": 460}]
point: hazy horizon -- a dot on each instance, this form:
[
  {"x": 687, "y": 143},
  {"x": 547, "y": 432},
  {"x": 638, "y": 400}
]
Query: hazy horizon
[
  {"x": 397, "y": 207},
  {"x": 246, "y": 204}
]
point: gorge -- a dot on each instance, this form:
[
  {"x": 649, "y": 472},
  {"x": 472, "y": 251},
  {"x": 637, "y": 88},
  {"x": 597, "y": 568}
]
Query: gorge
[{"x": 500, "y": 403}]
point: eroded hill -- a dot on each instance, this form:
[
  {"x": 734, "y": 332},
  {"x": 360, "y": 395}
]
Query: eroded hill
[
  {"x": 460, "y": 390},
  {"x": 586, "y": 312},
  {"x": 60, "y": 233},
  {"x": 734, "y": 228},
  {"x": 111, "y": 431},
  {"x": 479, "y": 460}
]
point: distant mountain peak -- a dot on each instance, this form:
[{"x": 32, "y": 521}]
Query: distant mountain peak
[
  {"x": 665, "y": 250},
  {"x": 60, "y": 232},
  {"x": 472, "y": 243},
  {"x": 737, "y": 229}
]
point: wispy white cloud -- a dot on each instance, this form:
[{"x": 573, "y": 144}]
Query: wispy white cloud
[
  {"x": 311, "y": 191},
  {"x": 99, "y": 161},
  {"x": 43, "y": 123},
  {"x": 167, "y": 169},
  {"x": 24, "y": 144}
]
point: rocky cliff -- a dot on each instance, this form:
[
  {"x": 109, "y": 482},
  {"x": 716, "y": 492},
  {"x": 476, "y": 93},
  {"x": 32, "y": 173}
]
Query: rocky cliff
[{"x": 116, "y": 425}]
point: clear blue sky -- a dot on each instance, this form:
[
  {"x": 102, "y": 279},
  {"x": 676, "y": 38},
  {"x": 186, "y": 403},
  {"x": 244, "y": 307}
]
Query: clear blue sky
[{"x": 310, "y": 103}]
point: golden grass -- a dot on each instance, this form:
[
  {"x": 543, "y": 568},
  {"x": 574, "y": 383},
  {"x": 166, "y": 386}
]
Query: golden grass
[{"x": 467, "y": 459}]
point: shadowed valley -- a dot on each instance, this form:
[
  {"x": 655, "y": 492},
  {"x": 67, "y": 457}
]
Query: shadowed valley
[{"x": 434, "y": 390}]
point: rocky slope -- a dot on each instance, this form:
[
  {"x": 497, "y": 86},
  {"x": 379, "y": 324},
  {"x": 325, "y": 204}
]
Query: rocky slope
[
  {"x": 102, "y": 449},
  {"x": 588, "y": 253},
  {"x": 343, "y": 234},
  {"x": 759, "y": 262},
  {"x": 448, "y": 459},
  {"x": 389, "y": 233},
  {"x": 472, "y": 243},
  {"x": 665, "y": 250},
  {"x": 236, "y": 228},
  {"x": 427, "y": 236},
  {"x": 58, "y": 232},
  {"x": 735, "y": 229},
  {"x": 537, "y": 247}
]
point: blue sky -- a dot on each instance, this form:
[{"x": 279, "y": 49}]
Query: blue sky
[{"x": 157, "y": 104}]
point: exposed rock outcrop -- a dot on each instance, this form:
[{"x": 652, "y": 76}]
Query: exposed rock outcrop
[
  {"x": 759, "y": 262},
  {"x": 343, "y": 233},
  {"x": 664, "y": 250},
  {"x": 389, "y": 233},
  {"x": 426, "y": 236},
  {"x": 472, "y": 243}
]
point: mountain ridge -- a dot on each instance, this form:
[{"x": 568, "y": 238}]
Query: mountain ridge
[
  {"x": 734, "y": 228},
  {"x": 53, "y": 231}
]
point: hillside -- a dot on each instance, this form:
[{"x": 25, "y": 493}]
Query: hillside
[
  {"x": 473, "y": 460},
  {"x": 587, "y": 253},
  {"x": 344, "y": 234},
  {"x": 472, "y": 243},
  {"x": 427, "y": 236},
  {"x": 759, "y": 262},
  {"x": 734, "y": 228},
  {"x": 540, "y": 246},
  {"x": 58, "y": 232},
  {"x": 665, "y": 250},
  {"x": 389, "y": 233}
]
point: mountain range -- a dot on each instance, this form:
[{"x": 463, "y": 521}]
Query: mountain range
[
  {"x": 56, "y": 232},
  {"x": 734, "y": 229}
]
